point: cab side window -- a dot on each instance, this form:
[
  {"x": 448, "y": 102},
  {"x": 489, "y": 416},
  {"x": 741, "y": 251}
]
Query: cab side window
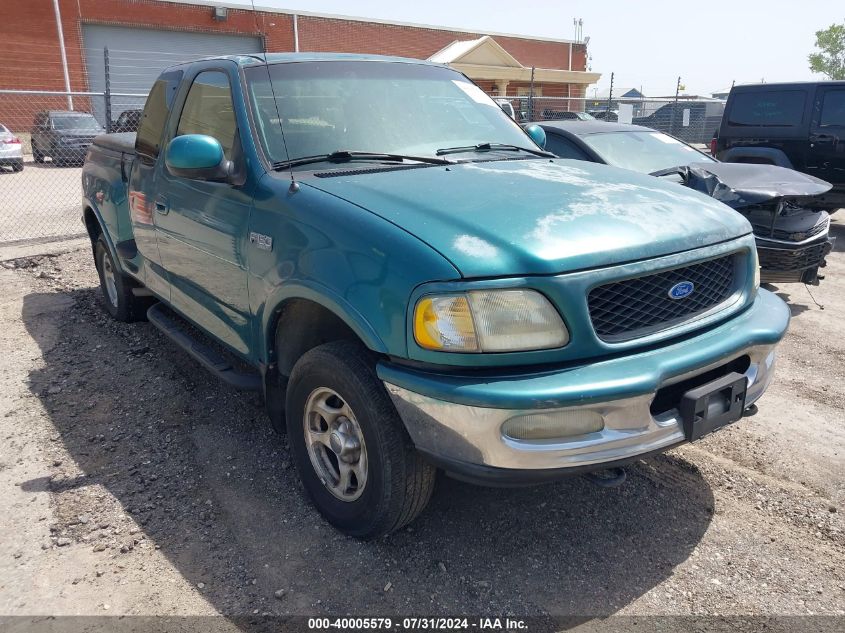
[
  {"x": 156, "y": 111},
  {"x": 209, "y": 110}
]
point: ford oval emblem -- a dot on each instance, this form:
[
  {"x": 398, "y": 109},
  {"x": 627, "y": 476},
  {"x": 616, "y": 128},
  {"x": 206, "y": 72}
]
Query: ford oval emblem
[{"x": 681, "y": 289}]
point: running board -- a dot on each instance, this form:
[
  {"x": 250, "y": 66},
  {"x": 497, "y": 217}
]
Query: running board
[{"x": 215, "y": 362}]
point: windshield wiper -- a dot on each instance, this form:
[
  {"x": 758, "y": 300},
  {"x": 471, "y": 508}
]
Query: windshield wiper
[
  {"x": 343, "y": 156},
  {"x": 488, "y": 147}
]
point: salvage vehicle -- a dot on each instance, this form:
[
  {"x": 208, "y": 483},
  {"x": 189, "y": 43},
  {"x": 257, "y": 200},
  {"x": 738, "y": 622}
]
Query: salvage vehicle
[
  {"x": 63, "y": 135},
  {"x": 414, "y": 284},
  {"x": 792, "y": 232},
  {"x": 11, "y": 153},
  {"x": 796, "y": 125},
  {"x": 127, "y": 121}
]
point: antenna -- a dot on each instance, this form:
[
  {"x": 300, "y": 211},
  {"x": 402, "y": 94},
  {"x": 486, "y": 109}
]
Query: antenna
[{"x": 294, "y": 186}]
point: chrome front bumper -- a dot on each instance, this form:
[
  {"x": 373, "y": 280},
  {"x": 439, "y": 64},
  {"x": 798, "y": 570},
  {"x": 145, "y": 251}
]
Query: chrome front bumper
[{"x": 471, "y": 436}]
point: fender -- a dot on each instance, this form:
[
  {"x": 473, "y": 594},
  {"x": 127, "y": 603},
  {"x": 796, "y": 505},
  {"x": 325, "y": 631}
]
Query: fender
[
  {"x": 87, "y": 204},
  {"x": 322, "y": 295},
  {"x": 768, "y": 154}
]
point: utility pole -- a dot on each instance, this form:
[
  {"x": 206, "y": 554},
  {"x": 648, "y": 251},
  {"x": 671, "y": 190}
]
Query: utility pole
[
  {"x": 675, "y": 106},
  {"x": 64, "y": 55},
  {"x": 531, "y": 97},
  {"x": 610, "y": 95}
]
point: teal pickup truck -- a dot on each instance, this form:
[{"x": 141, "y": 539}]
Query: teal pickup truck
[{"x": 413, "y": 284}]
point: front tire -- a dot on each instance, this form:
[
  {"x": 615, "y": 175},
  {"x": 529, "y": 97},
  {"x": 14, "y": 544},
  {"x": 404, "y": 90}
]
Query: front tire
[
  {"x": 354, "y": 456},
  {"x": 118, "y": 298}
]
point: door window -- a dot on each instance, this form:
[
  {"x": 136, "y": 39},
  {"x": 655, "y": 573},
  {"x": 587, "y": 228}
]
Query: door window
[
  {"x": 564, "y": 148},
  {"x": 833, "y": 109},
  {"x": 208, "y": 110}
]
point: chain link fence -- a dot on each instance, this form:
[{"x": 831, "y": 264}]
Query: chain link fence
[{"x": 693, "y": 120}]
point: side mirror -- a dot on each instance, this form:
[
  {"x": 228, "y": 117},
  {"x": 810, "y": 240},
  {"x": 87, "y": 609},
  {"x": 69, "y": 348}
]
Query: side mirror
[
  {"x": 198, "y": 157},
  {"x": 537, "y": 134}
]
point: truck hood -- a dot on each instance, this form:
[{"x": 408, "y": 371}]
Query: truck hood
[{"x": 525, "y": 217}]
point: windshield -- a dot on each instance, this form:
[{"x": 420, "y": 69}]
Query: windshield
[
  {"x": 646, "y": 152},
  {"x": 372, "y": 106},
  {"x": 76, "y": 123}
]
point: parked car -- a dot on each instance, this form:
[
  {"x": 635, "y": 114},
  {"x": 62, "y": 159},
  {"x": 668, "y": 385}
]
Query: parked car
[
  {"x": 11, "y": 154},
  {"x": 565, "y": 115},
  {"x": 798, "y": 125},
  {"x": 605, "y": 115},
  {"x": 693, "y": 127},
  {"x": 448, "y": 295},
  {"x": 506, "y": 106},
  {"x": 127, "y": 121},
  {"x": 63, "y": 135},
  {"x": 792, "y": 233}
]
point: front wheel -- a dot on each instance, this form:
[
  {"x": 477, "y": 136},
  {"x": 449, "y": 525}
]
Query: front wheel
[{"x": 354, "y": 457}]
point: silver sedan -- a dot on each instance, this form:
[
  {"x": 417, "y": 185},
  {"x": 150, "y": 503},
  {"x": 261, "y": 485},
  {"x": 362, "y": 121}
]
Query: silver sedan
[{"x": 11, "y": 152}]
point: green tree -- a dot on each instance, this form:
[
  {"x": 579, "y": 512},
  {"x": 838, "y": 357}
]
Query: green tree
[{"x": 830, "y": 60}]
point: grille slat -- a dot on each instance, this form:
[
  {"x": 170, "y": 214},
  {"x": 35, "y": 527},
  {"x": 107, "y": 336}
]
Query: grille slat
[
  {"x": 789, "y": 236},
  {"x": 634, "y": 307},
  {"x": 784, "y": 260}
]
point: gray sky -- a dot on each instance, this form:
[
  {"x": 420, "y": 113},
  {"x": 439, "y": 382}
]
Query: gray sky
[{"x": 647, "y": 43}]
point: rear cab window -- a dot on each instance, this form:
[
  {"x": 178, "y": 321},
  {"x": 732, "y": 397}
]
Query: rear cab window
[{"x": 767, "y": 108}]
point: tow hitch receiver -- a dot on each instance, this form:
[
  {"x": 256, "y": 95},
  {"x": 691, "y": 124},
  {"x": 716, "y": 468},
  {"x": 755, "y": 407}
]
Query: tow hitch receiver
[{"x": 713, "y": 405}]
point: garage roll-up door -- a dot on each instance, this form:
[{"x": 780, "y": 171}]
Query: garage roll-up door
[{"x": 138, "y": 55}]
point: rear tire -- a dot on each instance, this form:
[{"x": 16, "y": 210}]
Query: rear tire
[
  {"x": 118, "y": 299},
  {"x": 354, "y": 456},
  {"x": 37, "y": 156},
  {"x": 17, "y": 166}
]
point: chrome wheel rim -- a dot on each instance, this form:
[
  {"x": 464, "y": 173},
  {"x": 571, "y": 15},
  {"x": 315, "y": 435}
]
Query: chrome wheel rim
[
  {"x": 109, "y": 281},
  {"x": 335, "y": 444}
]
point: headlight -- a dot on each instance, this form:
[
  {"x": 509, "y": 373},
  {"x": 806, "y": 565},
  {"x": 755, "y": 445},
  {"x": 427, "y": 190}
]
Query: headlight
[{"x": 488, "y": 321}]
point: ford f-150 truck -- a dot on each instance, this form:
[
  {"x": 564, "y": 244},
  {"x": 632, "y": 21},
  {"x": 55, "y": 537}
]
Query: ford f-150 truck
[{"x": 413, "y": 283}]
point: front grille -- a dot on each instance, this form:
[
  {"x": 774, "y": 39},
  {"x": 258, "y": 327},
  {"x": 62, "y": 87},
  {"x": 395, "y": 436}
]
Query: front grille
[
  {"x": 789, "y": 236},
  {"x": 793, "y": 260},
  {"x": 635, "y": 307}
]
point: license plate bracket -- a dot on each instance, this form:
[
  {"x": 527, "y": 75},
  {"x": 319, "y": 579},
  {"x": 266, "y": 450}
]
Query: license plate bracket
[{"x": 713, "y": 405}]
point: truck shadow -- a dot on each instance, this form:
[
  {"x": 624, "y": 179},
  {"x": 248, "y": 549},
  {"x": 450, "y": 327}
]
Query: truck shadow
[{"x": 197, "y": 468}]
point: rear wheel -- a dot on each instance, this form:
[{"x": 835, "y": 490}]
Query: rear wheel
[
  {"x": 17, "y": 166},
  {"x": 118, "y": 298},
  {"x": 37, "y": 156},
  {"x": 353, "y": 454}
]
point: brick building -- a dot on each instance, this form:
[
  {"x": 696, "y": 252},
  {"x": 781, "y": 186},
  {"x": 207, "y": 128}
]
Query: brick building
[{"x": 144, "y": 36}]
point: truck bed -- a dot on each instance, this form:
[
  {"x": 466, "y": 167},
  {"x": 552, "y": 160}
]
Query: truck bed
[{"x": 123, "y": 142}]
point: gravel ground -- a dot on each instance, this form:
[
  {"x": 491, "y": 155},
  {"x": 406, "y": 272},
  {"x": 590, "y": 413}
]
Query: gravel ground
[{"x": 132, "y": 483}]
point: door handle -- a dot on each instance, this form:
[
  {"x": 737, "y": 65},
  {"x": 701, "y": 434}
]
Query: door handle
[
  {"x": 161, "y": 205},
  {"x": 822, "y": 138}
]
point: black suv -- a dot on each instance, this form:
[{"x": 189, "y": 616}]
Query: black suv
[
  {"x": 797, "y": 125},
  {"x": 63, "y": 135}
]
